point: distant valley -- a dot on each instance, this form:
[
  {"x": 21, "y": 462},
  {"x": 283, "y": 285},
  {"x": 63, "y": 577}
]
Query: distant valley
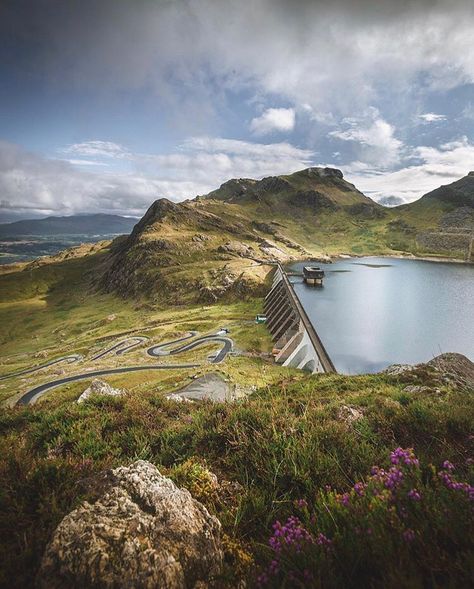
[{"x": 31, "y": 238}]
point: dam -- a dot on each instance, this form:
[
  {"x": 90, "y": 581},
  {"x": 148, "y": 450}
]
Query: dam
[{"x": 296, "y": 342}]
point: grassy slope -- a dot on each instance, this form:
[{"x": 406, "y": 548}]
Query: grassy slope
[{"x": 283, "y": 443}]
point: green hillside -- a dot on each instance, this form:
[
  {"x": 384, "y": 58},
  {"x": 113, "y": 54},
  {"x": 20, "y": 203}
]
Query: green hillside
[{"x": 221, "y": 243}]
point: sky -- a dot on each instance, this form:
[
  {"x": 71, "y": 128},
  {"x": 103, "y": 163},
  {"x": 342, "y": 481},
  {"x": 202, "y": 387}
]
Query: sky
[{"x": 107, "y": 105}]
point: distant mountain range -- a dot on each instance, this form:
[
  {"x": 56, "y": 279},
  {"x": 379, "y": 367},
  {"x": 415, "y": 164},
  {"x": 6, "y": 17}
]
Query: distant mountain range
[{"x": 99, "y": 224}]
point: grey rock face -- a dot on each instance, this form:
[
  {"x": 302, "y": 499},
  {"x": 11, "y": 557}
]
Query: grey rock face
[{"x": 143, "y": 532}]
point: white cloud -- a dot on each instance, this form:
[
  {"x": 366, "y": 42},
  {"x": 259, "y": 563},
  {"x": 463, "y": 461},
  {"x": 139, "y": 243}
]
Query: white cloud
[
  {"x": 274, "y": 119},
  {"x": 29, "y": 182},
  {"x": 431, "y": 117},
  {"x": 432, "y": 167},
  {"x": 97, "y": 149},
  {"x": 374, "y": 138}
]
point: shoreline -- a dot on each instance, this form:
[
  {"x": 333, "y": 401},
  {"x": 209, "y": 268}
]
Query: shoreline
[{"x": 337, "y": 257}]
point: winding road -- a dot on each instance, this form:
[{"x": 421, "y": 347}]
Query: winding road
[
  {"x": 68, "y": 359},
  {"x": 156, "y": 351},
  {"x": 119, "y": 348},
  {"x": 38, "y": 391}
]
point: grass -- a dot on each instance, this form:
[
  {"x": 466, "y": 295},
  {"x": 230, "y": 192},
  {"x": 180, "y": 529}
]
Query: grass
[{"x": 284, "y": 442}]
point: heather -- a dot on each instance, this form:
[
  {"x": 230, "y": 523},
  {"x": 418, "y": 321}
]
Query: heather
[
  {"x": 406, "y": 525},
  {"x": 288, "y": 450}
]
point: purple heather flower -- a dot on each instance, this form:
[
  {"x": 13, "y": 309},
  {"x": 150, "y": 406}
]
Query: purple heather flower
[
  {"x": 401, "y": 456},
  {"x": 414, "y": 495},
  {"x": 393, "y": 478},
  {"x": 359, "y": 488},
  {"x": 344, "y": 499},
  {"x": 323, "y": 540},
  {"x": 448, "y": 465},
  {"x": 292, "y": 534}
]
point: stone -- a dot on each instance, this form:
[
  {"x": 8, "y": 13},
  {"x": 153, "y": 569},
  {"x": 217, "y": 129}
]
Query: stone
[
  {"x": 111, "y": 317},
  {"x": 456, "y": 368},
  {"x": 142, "y": 532},
  {"x": 349, "y": 414},
  {"x": 415, "y": 389},
  {"x": 178, "y": 398},
  {"x": 99, "y": 387},
  {"x": 396, "y": 369}
]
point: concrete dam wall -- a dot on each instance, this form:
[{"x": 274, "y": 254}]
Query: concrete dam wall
[{"x": 296, "y": 342}]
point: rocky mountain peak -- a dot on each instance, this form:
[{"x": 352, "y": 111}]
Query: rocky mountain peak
[{"x": 323, "y": 172}]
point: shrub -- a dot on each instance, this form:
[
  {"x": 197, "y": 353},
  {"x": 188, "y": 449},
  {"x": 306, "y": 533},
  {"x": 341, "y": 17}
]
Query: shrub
[{"x": 406, "y": 525}]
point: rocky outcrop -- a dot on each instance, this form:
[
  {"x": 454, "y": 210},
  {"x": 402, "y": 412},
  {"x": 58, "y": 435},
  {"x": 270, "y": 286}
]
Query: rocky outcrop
[
  {"x": 446, "y": 369},
  {"x": 142, "y": 532},
  {"x": 237, "y": 248},
  {"x": 455, "y": 368},
  {"x": 445, "y": 242},
  {"x": 99, "y": 387},
  {"x": 313, "y": 199}
]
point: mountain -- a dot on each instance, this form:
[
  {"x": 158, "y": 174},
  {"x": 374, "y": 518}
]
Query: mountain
[
  {"x": 440, "y": 222},
  {"x": 223, "y": 243},
  {"x": 100, "y": 224}
]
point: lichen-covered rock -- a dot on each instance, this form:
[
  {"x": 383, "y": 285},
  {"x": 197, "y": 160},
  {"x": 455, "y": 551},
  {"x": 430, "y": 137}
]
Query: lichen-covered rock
[
  {"x": 455, "y": 368},
  {"x": 349, "y": 414},
  {"x": 446, "y": 369},
  {"x": 99, "y": 387},
  {"x": 143, "y": 532}
]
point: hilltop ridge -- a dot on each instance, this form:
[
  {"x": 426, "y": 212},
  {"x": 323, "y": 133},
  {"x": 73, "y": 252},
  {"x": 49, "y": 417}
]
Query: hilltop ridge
[{"x": 225, "y": 242}]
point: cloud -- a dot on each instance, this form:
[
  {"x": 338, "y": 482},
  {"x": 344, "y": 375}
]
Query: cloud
[
  {"x": 431, "y": 117},
  {"x": 374, "y": 138},
  {"x": 336, "y": 56},
  {"x": 97, "y": 149},
  {"x": 32, "y": 184},
  {"x": 274, "y": 119},
  {"x": 431, "y": 167}
]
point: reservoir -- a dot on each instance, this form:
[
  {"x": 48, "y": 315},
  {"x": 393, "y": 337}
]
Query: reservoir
[{"x": 373, "y": 312}]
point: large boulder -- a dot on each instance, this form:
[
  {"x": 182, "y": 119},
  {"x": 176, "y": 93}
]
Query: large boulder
[
  {"x": 99, "y": 387},
  {"x": 142, "y": 532}
]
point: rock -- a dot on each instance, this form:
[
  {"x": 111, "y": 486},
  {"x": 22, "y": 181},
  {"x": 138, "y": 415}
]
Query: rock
[
  {"x": 178, "y": 398},
  {"x": 99, "y": 387},
  {"x": 142, "y": 532},
  {"x": 414, "y": 389},
  {"x": 111, "y": 317},
  {"x": 450, "y": 368},
  {"x": 41, "y": 354},
  {"x": 236, "y": 248},
  {"x": 349, "y": 414},
  {"x": 270, "y": 249},
  {"x": 456, "y": 369},
  {"x": 396, "y": 369}
]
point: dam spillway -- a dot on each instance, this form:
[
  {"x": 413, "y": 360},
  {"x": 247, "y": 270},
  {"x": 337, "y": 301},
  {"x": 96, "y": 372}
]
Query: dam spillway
[{"x": 296, "y": 342}]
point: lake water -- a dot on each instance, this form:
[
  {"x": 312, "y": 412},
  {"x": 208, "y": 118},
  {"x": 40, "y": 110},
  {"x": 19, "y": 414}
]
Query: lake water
[{"x": 373, "y": 312}]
